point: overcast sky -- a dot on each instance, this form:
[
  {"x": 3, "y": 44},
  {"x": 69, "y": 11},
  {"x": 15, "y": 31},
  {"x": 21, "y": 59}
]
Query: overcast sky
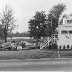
[{"x": 25, "y": 9}]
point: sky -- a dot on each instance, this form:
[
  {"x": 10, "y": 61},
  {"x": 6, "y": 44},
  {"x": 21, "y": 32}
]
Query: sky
[{"x": 24, "y": 10}]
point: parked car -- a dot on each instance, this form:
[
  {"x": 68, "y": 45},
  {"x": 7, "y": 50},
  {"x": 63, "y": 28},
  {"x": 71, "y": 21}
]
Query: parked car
[
  {"x": 9, "y": 46},
  {"x": 34, "y": 47}
]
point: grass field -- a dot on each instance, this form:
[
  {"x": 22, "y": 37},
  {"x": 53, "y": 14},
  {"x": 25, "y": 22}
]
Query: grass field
[{"x": 33, "y": 54}]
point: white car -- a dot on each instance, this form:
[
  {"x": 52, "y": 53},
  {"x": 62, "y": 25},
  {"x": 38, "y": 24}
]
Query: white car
[{"x": 9, "y": 46}]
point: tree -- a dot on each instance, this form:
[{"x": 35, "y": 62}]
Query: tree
[
  {"x": 37, "y": 25},
  {"x": 53, "y": 17},
  {"x": 1, "y": 32},
  {"x": 7, "y": 21}
]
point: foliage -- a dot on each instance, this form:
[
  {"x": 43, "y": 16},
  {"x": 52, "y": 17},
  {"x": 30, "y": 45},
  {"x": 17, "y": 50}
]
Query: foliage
[
  {"x": 1, "y": 32},
  {"x": 7, "y": 21},
  {"x": 24, "y": 34},
  {"x": 37, "y": 25},
  {"x": 53, "y": 17}
]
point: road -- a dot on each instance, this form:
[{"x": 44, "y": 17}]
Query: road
[{"x": 36, "y": 65}]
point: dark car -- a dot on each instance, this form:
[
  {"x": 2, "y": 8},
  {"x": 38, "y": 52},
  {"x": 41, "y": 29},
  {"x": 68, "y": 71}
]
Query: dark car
[{"x": 34, "y": 47}]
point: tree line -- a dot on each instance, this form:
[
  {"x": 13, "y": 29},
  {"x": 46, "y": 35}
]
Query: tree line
[
  {"x": 24, "y": 34},
  {"x": 44, "y": 25},
  {"x": 41, "y": 25}
]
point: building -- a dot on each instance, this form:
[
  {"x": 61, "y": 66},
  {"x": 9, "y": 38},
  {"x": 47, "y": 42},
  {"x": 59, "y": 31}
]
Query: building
[{"x": 65, "y": 33}]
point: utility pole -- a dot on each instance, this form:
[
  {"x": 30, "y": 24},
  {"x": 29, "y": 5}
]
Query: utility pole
[
  {"x": 51, "y": 34},
  {"x": 51, "y": 26}
]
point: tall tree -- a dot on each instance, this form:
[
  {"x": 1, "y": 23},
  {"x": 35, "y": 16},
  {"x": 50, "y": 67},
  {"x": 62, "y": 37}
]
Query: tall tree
[
  {"x": 1, "y": 32},
  {"x": 7, "y": 21},
  {"x": 37, "y": 25},
  {"x": 53, "y": 17}
]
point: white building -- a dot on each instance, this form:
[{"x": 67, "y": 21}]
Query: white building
[{"x": 65, "y": 33}]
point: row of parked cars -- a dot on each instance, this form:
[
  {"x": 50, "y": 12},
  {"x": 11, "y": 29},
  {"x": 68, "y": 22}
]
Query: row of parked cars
[
  {"x": 16, "y": 46},
  {"x": 28, "y": 46}
]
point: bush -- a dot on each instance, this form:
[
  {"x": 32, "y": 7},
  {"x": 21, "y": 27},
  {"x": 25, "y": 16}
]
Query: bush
[
  {"x": 51, "y": 47},
  {"x": 54, "y": 47}
]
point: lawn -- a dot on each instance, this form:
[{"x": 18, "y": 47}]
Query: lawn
[
  {"x": 24, "y": 54},
  {"x": 33, "y": 54}
]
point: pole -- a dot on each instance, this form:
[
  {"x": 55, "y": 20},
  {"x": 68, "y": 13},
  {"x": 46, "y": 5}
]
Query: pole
[
  {"x": 58, "y": 52},
  {"x": 51, "y": 26},
  {"x": 58, "y": 48}
]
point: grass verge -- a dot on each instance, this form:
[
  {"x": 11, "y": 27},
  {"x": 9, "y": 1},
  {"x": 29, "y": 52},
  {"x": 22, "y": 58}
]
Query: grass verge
[{"x": 33, "y": 54}]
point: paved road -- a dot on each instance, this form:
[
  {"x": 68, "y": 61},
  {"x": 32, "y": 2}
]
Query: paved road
[{"x": 36, "y": 65}]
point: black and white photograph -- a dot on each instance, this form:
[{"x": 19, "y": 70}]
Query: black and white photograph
[{"x": 36, "y": 35}]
